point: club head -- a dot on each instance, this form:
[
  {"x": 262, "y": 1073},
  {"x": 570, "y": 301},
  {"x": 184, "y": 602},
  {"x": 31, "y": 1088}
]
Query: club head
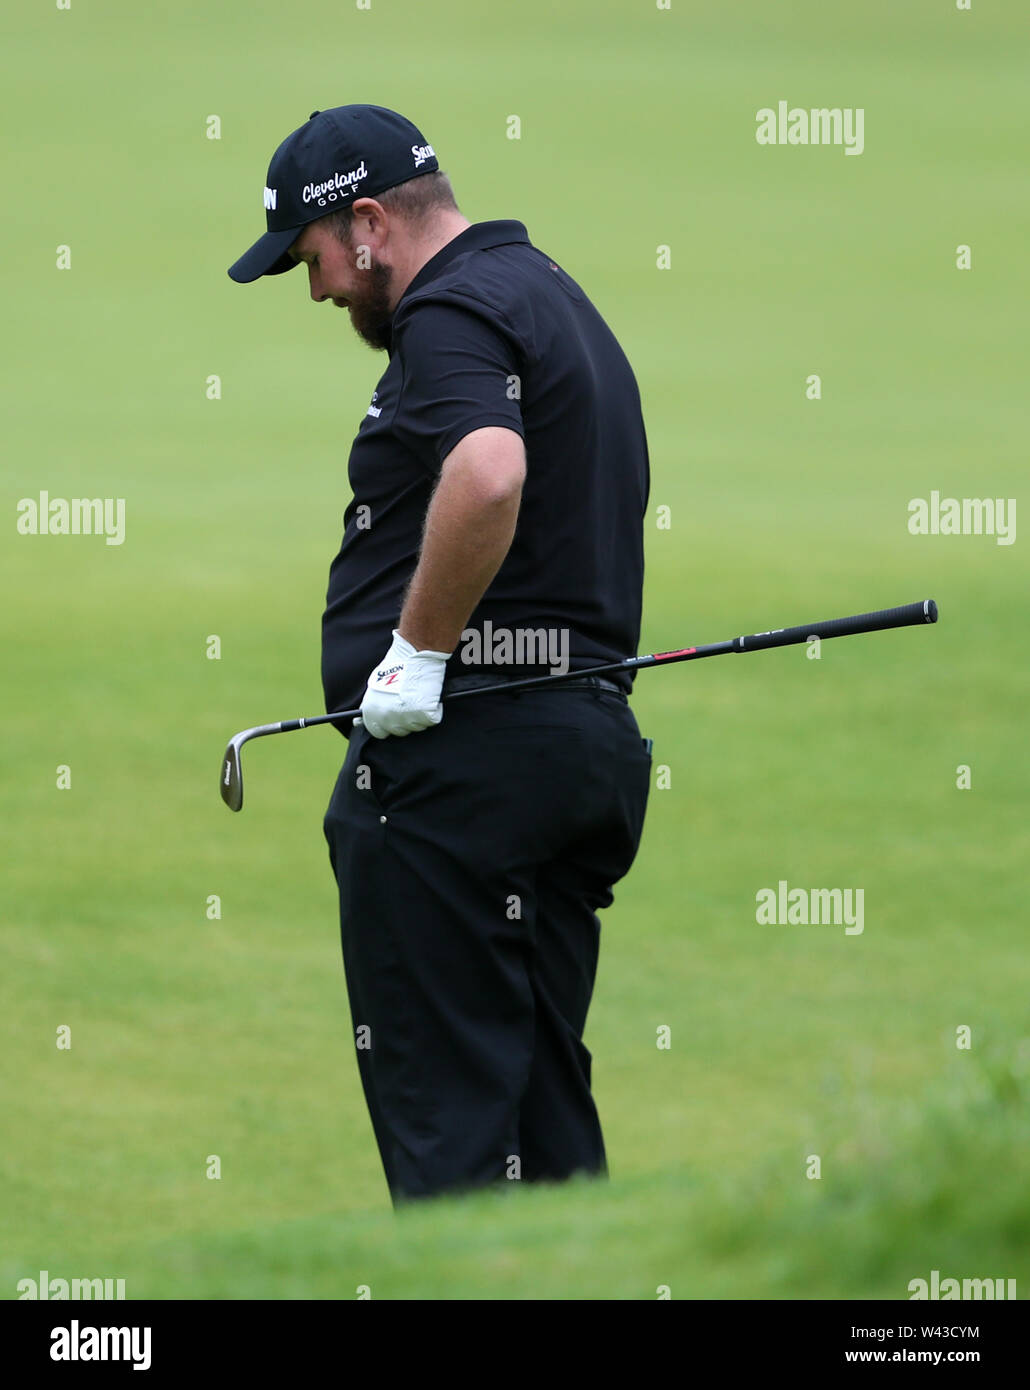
[{"x": 230, "y": 783}]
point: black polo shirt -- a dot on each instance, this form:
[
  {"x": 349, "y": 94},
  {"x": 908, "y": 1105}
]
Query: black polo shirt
[{"x": 492, "y": 332}]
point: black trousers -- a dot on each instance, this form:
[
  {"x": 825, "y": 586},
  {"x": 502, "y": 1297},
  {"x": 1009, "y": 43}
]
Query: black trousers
[{"x": 471, "y": 860}]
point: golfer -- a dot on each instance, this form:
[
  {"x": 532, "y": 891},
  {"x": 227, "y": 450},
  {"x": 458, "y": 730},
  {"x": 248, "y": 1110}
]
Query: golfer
[{"x": 495, "y": 532}]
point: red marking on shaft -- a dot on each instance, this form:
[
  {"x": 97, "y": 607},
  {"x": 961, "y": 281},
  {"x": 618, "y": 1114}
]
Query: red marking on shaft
[{"x": 684, "y": 651}]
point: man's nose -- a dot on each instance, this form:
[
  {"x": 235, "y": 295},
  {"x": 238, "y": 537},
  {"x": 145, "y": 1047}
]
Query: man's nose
[{"x": 317, "y": 292}]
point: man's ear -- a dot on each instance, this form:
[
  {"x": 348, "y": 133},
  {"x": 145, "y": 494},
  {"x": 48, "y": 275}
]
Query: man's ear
[{"x": 373, "y": 214}]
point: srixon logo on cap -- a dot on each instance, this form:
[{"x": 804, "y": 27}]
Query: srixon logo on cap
[
  {"x": 336, "y": 187},
  {"x": 422, "y": 153}
]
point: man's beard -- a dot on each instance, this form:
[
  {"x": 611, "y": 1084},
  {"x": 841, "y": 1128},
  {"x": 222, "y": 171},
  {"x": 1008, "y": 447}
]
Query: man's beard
[{"x": 371, "y": 314}]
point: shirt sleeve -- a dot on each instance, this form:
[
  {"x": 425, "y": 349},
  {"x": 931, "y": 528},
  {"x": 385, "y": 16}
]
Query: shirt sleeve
[{"x": 461, "y": 372}]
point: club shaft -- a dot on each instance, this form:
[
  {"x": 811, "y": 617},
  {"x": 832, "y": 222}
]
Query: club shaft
[{"x": 909, "y": 615}]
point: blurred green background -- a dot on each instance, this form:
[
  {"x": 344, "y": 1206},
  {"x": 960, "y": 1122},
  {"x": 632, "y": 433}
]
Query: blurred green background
[{"x": 193, "y": 1037}]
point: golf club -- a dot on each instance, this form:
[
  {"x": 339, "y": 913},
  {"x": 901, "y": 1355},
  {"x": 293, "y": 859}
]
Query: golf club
[{"x": 230, "y": 782}]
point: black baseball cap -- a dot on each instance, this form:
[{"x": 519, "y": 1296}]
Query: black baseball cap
[{"x": 336, "y": 156}]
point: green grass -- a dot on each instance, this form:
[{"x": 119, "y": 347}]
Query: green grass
[
  {"x": 936, "y": 1184},
  {"x": 192, "y": 1036}
]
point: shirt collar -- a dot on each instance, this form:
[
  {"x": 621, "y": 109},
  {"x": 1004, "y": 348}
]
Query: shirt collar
[{"x": 475, "y": 238}]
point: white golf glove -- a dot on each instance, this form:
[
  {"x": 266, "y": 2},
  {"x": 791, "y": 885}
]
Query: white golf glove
[{"x": 403, "y": 692}]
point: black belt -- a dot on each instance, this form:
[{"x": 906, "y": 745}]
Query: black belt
[{"x": 578, "y": 683}]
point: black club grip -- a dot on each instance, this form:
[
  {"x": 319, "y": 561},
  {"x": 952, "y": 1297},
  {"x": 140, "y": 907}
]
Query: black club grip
[{"x": 909, "y": 615}]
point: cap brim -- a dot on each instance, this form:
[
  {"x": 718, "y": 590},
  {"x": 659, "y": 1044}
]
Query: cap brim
[{"x": 266, "y": 257}]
